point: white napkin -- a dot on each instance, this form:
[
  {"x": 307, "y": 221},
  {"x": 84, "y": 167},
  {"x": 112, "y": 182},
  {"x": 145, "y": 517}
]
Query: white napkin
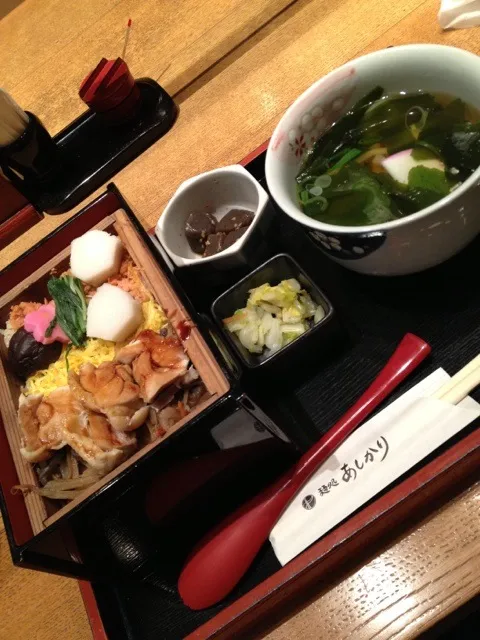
[
  {"x": 458, "y": 14},
  {"x": 375, "y": 455}
]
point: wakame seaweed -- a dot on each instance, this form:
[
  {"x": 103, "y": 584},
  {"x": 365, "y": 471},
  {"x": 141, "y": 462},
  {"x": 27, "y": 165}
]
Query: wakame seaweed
[
  {"x": 343, "y": 179},
  {"x": 340, "y": 134}
]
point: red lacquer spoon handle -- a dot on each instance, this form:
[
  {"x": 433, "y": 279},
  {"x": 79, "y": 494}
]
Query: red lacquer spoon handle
[
  {"x": 224, "y": 555},
  {"x": 411, "y": 351}
]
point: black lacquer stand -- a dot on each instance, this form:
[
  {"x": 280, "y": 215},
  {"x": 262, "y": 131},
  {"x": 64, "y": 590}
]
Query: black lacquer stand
[{"x": 90, "y": 151}]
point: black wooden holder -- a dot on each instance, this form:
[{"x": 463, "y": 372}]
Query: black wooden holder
[{"x": 89, "y": 151}]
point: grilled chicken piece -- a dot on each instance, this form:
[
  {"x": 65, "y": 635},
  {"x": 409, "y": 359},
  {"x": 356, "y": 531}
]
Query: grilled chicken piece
[
  {"x": 107, "y": 385},
  {"x": 32, "y": 449},
  {"x": 110, "y": 389},
  {"x": 93, "y": 439},
  {"x": 157, "y": 362},
  {"x": 54, "y": 421}
]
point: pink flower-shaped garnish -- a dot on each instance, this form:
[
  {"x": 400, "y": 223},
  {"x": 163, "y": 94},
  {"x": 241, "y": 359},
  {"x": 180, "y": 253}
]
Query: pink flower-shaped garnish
[{"x": 37, "y": 322}]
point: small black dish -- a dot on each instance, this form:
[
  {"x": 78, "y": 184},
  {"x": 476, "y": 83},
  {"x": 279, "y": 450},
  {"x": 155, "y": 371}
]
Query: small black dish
[{"x": 280, "y": 267}]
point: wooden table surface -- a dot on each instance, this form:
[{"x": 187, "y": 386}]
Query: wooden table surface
[{"x": 233, "y": 68}]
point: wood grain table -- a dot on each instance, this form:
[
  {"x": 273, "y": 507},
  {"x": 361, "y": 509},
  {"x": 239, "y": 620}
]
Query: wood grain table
[{"x": 233, "y": 67}]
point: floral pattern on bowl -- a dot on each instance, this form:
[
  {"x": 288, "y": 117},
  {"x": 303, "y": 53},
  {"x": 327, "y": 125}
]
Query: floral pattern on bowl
[
  {"x": 319, "y": 116},
  {"x": 348, "y": 246}
]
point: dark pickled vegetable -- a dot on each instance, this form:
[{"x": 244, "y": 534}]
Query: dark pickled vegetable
[
  {"x": 234, "y": 220},
  {"x": 197, "y": 229},
  {"x": 214, "y": 244},
  {"x": 233, "y": 236},
  {"x": 26, "y": 355},
  {"x": 208, "y": 237}
]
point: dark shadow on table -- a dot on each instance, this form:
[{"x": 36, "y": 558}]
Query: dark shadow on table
[
  {"x": 7, "y": 5},
  {"x": 462, "y": 624}
]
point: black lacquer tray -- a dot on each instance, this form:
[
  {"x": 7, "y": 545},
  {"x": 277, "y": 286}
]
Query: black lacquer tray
[
  {"x": 442, "y": 306},
  {"x": 90, "y": 152}
]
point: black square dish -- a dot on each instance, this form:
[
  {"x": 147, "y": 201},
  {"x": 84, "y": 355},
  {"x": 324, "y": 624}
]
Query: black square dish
[{"x": 280, "y": 267}]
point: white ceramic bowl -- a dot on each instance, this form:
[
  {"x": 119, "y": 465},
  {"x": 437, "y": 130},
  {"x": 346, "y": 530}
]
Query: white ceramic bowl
[
  {"x": 403, "y": 246},
  {"x": 217, "y": 192}
]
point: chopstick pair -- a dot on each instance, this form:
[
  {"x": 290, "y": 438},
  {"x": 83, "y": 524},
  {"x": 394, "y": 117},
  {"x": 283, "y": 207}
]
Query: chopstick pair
[{"x": 461, "y": 384}]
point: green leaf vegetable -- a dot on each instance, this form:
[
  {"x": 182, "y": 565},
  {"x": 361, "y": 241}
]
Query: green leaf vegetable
[
  {"x": 429, "y": 179},
  {"x": 70, "y": 308},
  {"x": 425, "y": 187},
  {"x": 350, "y": 155},
  {"x": 67, "y": 353}
]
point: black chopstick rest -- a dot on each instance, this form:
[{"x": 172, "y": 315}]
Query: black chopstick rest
[{"x": 31, "y": 157}]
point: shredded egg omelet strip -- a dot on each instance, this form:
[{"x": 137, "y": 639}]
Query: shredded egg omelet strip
[{"x": 95, "y": 351}]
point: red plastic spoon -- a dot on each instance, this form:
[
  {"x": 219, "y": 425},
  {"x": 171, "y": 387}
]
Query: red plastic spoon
[{"x": 220, "y": 560}]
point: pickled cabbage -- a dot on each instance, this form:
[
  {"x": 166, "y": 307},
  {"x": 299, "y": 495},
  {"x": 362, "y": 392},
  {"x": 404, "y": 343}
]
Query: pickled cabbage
[{"x": 274, "y": 316}]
